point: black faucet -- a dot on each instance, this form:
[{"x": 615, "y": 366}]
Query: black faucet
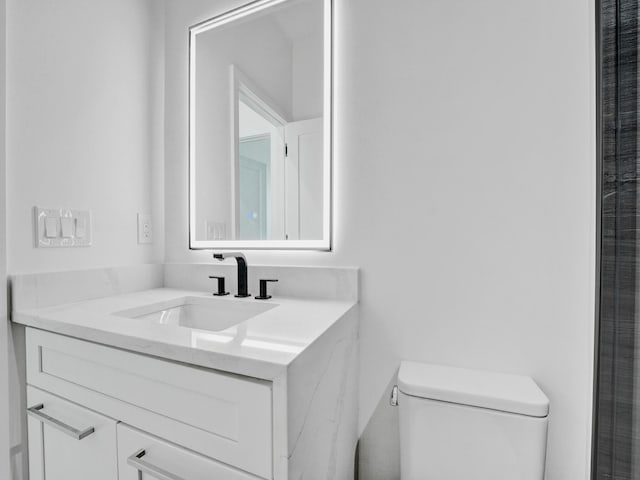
[{"x": 242, "y": 271}]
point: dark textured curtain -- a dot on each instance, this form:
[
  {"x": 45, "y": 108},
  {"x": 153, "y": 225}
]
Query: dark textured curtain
[{"x": 617, "y": 402}]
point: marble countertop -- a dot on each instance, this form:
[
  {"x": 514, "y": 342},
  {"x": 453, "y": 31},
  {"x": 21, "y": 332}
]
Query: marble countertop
[{"x": 262, "y": 346}]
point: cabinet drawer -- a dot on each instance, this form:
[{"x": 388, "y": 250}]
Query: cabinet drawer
[
  {"x": 154, "y": 455},
  {"x": 221, "y": 416},
  {"x": 57, "y": 452}
]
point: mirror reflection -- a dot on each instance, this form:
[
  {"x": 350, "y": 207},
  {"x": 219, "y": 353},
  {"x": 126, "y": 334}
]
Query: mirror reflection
[{"x": 259, "y": 168}]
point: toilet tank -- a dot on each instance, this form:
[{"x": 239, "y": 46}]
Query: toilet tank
[{"x": 462, "y": 424}]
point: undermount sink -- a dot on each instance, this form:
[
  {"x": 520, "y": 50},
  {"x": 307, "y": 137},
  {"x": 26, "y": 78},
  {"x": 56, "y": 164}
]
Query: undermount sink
[{"x": 199, "y": 312}]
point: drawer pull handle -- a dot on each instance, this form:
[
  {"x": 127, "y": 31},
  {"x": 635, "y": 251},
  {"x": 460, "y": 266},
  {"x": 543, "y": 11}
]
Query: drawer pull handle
[
  {"x": 143, "y": 466},
  {"x": 36, "y": 412}
]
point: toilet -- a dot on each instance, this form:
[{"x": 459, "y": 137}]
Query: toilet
[{"x": 463, "y": 424}]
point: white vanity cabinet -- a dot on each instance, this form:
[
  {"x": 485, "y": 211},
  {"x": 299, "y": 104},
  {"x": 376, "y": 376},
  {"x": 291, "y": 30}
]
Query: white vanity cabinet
[{"x": 190, "y": 422}]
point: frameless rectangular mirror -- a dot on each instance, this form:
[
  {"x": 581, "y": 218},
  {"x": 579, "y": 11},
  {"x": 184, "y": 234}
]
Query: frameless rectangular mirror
[{"x": 260, "y": 127}]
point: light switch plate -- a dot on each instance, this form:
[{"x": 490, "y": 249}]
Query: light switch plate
[
  {"x": 61, "y": 227},
  {"x": 51, "y": 227},
  {"x": 145, "y": 229}
]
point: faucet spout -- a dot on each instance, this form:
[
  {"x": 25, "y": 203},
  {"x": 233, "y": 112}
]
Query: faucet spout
[
  {"x": 242, "y": 270},
  {"x": 225, "y": 255}
]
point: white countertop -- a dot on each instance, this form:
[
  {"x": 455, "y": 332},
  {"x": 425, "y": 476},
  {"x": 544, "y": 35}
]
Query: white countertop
[{"x": 261, "y": 347}]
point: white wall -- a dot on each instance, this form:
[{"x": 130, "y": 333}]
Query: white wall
[
  {"x": 464, "y": 189},
  {"x": 308, "y": 76},
  {"x": 85, "y": 125},
  {"x": 5, "y": 439}
]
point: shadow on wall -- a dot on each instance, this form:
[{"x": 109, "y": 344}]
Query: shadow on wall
[{"x": 378, "y": 452}]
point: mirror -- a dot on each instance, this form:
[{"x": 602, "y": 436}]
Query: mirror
[{"x": 260, "y": 127}]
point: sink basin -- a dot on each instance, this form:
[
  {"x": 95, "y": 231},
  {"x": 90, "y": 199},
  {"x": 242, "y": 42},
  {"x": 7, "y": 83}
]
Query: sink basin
[{"x": 199, "y": 312}]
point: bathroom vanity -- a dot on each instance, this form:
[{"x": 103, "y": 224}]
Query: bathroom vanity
[{"x": 178, "y": 384}]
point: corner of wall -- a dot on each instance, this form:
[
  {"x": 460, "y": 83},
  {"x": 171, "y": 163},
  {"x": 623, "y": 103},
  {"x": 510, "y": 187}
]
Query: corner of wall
[{"x": 5, "y": 430}]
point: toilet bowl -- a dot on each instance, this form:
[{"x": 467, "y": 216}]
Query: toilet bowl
[{"x": 462, "y": 424}]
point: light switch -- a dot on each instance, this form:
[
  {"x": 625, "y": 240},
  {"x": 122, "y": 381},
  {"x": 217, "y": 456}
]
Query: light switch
[
  {"x": 67, "y": 224},
  {"x": 51, "y": 227},
  {"x": 81, "y": 228}
]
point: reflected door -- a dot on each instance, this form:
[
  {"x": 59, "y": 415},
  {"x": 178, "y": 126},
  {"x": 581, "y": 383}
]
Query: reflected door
[{"x": 255, "y": 162}]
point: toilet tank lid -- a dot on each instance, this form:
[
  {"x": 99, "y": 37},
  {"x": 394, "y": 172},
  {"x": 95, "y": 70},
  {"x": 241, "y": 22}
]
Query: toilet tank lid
[{"x": 497, "y": 391}]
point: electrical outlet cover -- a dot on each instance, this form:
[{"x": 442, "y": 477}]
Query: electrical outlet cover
[{"x": 145, "y": 229}]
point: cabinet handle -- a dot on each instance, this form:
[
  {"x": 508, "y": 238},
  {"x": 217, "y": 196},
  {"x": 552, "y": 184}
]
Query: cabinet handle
[
  {"x": 143, "y": 466},
  {"x": 36, "y": 412}
]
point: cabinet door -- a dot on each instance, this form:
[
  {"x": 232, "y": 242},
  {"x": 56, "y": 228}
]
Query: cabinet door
[
  {"x": 144, "y": 457},
  {"x": 68, "y": 442}
]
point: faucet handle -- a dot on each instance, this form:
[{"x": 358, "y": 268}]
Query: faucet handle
[
  {"x": 263, "y": 289},
  {"x": 221, "y": 290}
]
